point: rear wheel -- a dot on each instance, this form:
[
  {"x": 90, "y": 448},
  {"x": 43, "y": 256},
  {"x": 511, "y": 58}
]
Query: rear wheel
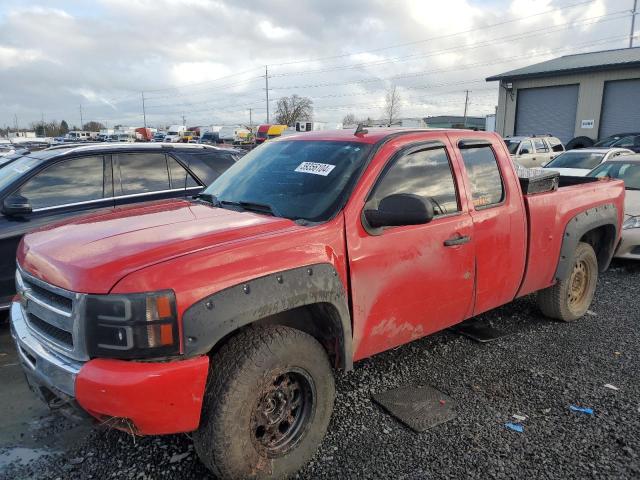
[
  {"x": 570, "y": 298},
  {"x": 267, "y": 406}
]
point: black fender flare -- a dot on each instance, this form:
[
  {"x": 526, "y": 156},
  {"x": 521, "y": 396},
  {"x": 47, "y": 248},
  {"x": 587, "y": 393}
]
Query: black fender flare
[
  {"x": 212, "y": 318},
  {"x": 577, "y": 227}
]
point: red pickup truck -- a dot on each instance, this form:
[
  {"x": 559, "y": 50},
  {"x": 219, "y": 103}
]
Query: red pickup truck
[{"x": 225, "y": 315}]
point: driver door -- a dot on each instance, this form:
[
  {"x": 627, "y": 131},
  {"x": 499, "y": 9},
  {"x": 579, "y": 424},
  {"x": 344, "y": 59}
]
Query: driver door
[{"x": 410, "y": 281}]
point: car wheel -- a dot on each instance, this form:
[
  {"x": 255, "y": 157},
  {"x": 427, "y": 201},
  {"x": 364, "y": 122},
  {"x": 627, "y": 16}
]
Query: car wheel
[
  {"x": 267, "y": 405},
  {"x": 569, "y": 299}
]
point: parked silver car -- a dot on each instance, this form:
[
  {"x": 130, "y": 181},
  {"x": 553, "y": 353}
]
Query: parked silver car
[
  {"x": 626, "y": 168},
  {"x": 578, "y": 163}
]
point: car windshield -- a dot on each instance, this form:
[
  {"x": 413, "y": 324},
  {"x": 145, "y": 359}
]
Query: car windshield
[
  {"x": 610, "y": 141},
  {"x": 577, "y": 159},
  {"x": 301, "y": 179},
  {"x": 262, "y": 135},
  {"x": 627, "y": 171},
  {"x": 512, "y": 145},
  {"x": 18, "y": 167}
]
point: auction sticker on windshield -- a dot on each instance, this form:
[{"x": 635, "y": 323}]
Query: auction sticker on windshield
[{"x": 323, "y": 169}]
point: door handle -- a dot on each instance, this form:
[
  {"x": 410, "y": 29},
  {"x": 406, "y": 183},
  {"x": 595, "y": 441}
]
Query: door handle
[{"x": 459, "y": 240}]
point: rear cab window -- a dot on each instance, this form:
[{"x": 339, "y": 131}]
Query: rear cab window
[{"x": 487, "y": 187}]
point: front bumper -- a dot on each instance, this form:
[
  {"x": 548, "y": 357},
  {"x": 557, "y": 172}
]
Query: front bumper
[
  {"x": 630, "y": 245},
  {"x": 49, "y": 373},
  {"x": 147, "y": 398}
]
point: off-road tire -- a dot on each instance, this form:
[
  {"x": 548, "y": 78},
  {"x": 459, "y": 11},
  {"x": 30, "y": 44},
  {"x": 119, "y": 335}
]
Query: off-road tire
[
  {"x": 569, "y": 299},
  {"x": 579, "y": 142},
  {"x": 241, "y": 371}
]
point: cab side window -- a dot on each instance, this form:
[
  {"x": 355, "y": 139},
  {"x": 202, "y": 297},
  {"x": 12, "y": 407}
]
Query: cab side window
[
  {"x": 526, "y": 148},
  {"x": 143, "y": 173},
  {"x": 487, "y": 188},
  {"x": 426, "y": 173},
  {"x": 70, "y": 181},
  {"x": 541, "y": 146},
  {"x": 180, "y": 178}
]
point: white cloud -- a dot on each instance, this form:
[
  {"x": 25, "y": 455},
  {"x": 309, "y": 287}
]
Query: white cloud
[
  {"x": 102, "y": 54},
  {"x": 274, "y": 31}
]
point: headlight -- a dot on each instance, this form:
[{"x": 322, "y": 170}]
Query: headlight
[
  {"x": 633, "y": 222},
  {"x": 133, "y": 325}
]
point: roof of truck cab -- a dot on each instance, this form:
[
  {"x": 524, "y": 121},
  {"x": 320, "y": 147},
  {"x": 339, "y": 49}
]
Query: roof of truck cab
[{"x": 373, "y": 135}]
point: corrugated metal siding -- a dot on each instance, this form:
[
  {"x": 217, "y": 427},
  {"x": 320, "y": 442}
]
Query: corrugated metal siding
[
  {"x": 547, "y": 110},
  {"x": 620, "y": 107}
]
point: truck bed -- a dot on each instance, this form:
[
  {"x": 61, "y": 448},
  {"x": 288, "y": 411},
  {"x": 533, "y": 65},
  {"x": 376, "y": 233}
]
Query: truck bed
[{"x": 545, "y": 211}]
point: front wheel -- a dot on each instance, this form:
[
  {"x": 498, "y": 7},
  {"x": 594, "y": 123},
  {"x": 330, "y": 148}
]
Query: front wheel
[
  {"x": 267, "y": 405},
  {"x": 569, "y": 299}
]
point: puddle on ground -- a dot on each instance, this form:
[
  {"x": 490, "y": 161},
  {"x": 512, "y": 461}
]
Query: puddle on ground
[{"x": 21, "y": 455}]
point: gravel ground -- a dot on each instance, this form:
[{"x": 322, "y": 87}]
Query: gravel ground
[{"x": 538, "y": 370}]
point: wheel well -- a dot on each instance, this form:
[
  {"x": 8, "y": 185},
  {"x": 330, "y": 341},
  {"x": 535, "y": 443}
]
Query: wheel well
[
  {"x": 602, "y": 239},
  {"x": 320, "y": 320}
]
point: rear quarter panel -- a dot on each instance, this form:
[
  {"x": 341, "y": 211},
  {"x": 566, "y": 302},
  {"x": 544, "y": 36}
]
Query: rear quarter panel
[{"x": 549, "y": 213}]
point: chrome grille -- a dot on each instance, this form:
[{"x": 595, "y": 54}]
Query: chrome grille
[{"x": 52, "y": 314}]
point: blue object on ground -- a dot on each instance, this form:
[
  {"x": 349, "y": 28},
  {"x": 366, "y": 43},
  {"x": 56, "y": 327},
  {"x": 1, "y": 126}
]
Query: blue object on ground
[
  {"x": 575, "y": 408},
  {"x": 516, "y": 427}
]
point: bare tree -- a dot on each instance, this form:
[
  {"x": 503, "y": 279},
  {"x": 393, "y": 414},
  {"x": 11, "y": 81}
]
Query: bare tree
[
  {"x": 293, "y": 109},
  {"x": 392, "y": 105},
  {"x": 93, "y": 126},
  {"x": 350, "y": 119}
]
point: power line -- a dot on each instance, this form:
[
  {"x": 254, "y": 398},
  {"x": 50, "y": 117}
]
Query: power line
[
  {"x": 517, "y": 36},
  {"x": 527, "y": 17},
  {"x": 633, "y": 23}
]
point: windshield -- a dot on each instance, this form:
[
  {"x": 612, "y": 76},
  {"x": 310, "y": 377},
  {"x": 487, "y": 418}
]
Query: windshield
[
  {"x": 298, "y": 179},
  {"x": 512, "y": 145},
  {"x": 576, "y": 159},
  {"x": 609, "y": 141},
  {"x": 629, "y": 172},
  {"x": 15, "y": 169},
  {"x": 261, "y": 134}
]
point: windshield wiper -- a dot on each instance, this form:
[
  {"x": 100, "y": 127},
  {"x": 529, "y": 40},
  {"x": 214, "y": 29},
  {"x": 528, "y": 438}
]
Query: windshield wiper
[
  {"x": 263, "y": 208},
  {"x": 209, "y": 198}
]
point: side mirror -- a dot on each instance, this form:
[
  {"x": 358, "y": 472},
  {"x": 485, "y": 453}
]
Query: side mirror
[
  {"x": 525, "y": 151},
  {"x": 400, "y": 209},
  {"x": 16, "y": 205}
]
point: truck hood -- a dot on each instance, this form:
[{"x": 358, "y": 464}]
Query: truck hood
[
  {"x": 632, "y": 203},
  {"x": 90, "y": 254}
]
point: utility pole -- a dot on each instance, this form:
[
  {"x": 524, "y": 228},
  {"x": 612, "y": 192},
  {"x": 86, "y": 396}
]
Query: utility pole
[
  {"x": 144, "y": 113},
  {"x": 633, "y": 22},
  {"x": 266, "y": 81},
  {"x": 81, "y": 121},
  {"x": 184, "y": 121},
  {"x": 44, "y": 128},
  {"x": 466, "y": 104},
  {"x": 15, "y": 120},
  {"x": 250, "y": 119}
]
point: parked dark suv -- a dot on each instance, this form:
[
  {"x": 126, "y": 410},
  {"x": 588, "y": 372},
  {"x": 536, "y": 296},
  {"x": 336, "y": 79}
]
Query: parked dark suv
[
  {"x": 622, "y": 140},
  {"x": 38, "y": 188}
]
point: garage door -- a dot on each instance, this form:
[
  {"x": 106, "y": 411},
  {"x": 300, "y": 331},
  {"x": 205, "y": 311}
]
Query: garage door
[
  {"x": 547, "y": 110},
  {"x": 620, "y": 112}
]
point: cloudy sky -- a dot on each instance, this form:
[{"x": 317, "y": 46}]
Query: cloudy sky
[{"x": 206, "y": 59}]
